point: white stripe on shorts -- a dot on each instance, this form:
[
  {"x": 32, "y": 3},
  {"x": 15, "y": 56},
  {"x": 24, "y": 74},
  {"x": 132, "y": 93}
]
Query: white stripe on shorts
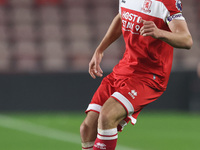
[
  {"x": 133, "y": 120},
  {"x": 95, "y": 107},
  {"x": 124, "y": 101}
]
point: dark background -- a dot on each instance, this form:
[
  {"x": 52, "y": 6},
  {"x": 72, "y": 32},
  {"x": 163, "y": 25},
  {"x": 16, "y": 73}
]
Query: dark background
[{"x": 73, "y": 91}]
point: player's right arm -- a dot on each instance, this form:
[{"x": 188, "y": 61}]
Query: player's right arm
[{"x": 113, "y": 33}]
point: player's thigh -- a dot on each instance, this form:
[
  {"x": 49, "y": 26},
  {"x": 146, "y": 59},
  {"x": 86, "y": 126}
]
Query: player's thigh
[{"x": 112, "y": 111}]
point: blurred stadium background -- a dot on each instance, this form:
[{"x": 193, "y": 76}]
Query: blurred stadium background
[{"x": 45, "y": 48}]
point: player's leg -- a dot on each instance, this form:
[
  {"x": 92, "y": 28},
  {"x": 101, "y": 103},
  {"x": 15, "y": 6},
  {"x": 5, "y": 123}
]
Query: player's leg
[
  {"x": 111, "y": 114},
  {"x": 88, "y": 130}
]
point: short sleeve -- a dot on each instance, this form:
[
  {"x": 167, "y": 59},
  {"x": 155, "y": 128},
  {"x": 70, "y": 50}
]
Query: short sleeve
[{"x": 175, "y": 10}]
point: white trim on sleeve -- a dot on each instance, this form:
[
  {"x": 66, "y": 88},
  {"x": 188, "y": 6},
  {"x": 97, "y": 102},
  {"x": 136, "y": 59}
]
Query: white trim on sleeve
[{"x": 119, "y": 6}]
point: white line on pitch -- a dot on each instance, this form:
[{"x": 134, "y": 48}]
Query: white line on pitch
[{"x": 21, "y": 125}]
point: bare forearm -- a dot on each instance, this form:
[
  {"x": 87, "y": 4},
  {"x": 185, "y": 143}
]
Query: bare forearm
[
  {"x": 179, "y": 36},
  {"x": 177, "y": 40},
  {"x": 112, "y": 34}
]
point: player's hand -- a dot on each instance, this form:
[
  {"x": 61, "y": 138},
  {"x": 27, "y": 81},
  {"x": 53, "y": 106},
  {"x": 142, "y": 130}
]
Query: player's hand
[
  {"x": 149, "y": 28},
  {"x": 94, "y": 65}
]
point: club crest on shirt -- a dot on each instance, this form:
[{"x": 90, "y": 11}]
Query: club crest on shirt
[
  {"x": 146, "y": 6},
  {"x": 179, "y": 5}
]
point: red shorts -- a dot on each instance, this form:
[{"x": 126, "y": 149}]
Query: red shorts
[{"x": 130, "y": 91}]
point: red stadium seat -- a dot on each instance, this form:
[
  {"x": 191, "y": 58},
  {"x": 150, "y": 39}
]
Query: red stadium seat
[
  {"x": 25, "y": 32},
  {"x": 49, "y": 14},
  {"x": 48, "y": 2},
  {"x": 26, "y": 55},
  {"x": 54, "y": 58},
  {"x": 51, "y": 32},
  {"x": 20, "y": 3},
  {"x": 3, "y": 2},
  {"x": 22, "y": 15},
  {"x": 5, "y": 56}
]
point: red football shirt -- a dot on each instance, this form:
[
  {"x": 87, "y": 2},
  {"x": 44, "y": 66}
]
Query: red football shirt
[{"x": 145, "y": 57}]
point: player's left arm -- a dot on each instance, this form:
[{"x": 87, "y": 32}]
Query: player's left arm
[{"x": 179, "y": 36}]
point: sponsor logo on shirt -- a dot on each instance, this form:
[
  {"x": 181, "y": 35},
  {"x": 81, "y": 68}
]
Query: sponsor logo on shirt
[
  {"x": 179, "y": 5},
  {"x": 146, "y": 6},
  {"x": 131, "y": 22},
  {"x": 133, "y": 94}
]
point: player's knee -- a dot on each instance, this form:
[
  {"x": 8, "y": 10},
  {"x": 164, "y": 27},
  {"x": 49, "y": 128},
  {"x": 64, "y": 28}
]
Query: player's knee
[
  {"x": 88, "y": 132},
  {"x": 105, "y": 120},
  {"x": 83, "y": 128},
  {"x": 90, "y": 121}
]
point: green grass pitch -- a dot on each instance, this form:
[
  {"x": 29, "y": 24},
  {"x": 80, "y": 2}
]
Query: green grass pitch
[{"x": 60, "y": 131}]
